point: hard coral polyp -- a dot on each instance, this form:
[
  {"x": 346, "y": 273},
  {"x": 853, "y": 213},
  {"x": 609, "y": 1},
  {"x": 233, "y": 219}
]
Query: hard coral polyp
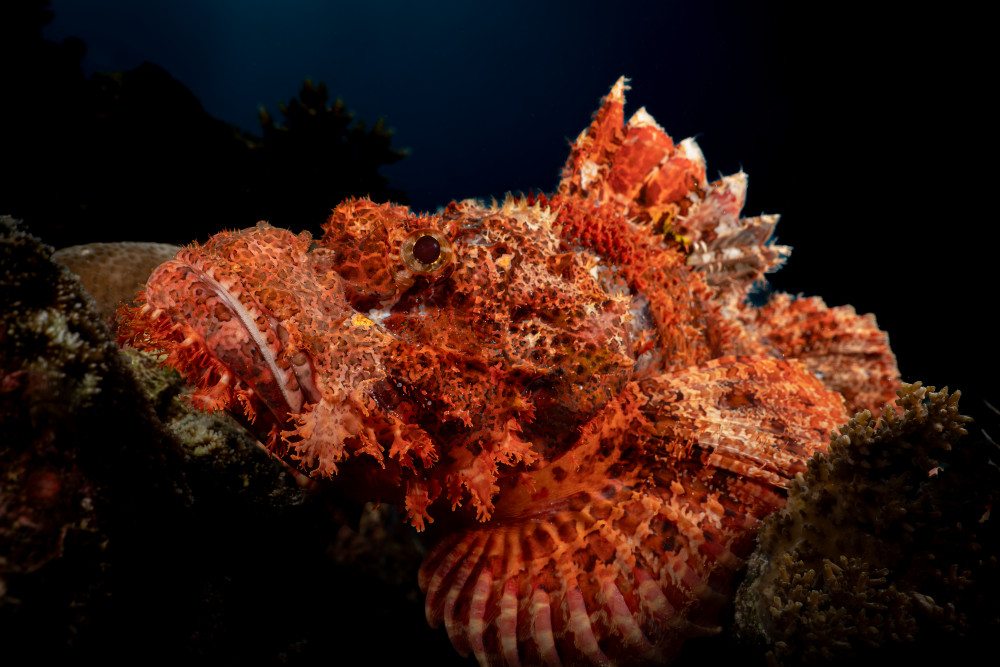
[{"x": 582, "y": 372}]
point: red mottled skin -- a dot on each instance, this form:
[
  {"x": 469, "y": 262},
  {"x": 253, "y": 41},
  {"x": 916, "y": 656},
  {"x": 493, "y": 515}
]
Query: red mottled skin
[{"x": 583, "y": 371}]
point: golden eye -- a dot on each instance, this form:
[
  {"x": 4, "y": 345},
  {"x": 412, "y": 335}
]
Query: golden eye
[{"x": 426, "y": 251}]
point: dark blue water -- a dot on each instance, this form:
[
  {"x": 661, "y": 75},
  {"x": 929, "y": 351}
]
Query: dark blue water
[{"x": 485, "y": 95}]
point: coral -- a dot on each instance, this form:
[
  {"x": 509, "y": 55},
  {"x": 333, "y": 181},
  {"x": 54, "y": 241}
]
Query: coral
[
  {"x": 316, "y": 158},
  {"x": 112, "y": 273},
  {"x": 96, "y": 159},
  {"x": 56, "y": 361},
  {"x": 574, "y": 389},
  {"x": 130, "y": 523},
  {"x": 886, "y": 540}
]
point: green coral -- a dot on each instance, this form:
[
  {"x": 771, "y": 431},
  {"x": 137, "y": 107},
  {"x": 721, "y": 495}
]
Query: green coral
[{"x": 886, "y": 540}]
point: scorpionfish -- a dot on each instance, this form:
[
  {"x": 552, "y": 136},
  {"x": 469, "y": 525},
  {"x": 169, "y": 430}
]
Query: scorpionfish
[{"x": 578, "y": 381}]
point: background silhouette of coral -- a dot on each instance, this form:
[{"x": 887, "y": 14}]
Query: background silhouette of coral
[
  {"x": 134, "y": 156},
  {"x": 316, "y": 159}
]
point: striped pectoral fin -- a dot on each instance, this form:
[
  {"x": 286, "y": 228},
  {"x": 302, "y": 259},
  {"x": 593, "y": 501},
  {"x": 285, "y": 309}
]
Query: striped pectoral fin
[
  {"x": 569, "y": 586},
  {"x": 751, "y": 422}
]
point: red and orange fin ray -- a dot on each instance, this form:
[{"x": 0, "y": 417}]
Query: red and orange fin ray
[
  {"x": 733, "y": 253},
  {"x": 847, "y": 351},
  {"x": 635, "y": 171}
]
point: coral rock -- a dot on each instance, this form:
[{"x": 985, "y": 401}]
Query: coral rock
[
  {"x": 112, "y": 273},
  {"x": 885, "y": 541}
]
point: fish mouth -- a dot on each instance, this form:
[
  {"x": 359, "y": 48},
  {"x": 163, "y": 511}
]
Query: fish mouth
[{"x": 219, "y": 337}]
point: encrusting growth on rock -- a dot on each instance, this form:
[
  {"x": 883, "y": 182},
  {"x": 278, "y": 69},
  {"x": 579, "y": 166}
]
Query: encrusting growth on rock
[
  {"x": 112, "y": 273},
  {"x": 885, "y": 540}
]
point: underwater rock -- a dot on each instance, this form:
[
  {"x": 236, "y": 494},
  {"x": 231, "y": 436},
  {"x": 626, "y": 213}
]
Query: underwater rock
[
  {"x": 60, "y": 375},
  {"x": 112, "y": 273}
]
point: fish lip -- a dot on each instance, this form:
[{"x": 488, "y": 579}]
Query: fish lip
[{"x": 249, "y": 344}]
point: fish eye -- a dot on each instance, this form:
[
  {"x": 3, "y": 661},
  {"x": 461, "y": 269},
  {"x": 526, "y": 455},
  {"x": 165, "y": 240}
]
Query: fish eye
[{"x": 426, "y": 251}]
